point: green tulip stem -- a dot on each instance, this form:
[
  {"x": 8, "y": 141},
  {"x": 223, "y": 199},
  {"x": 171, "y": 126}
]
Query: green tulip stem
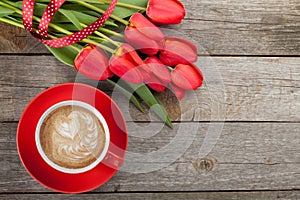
[
  {"x": 117, "y": 44},
  {"x": 9, "y": 21},
  {"x": 92, "y": 7},
  {"x": 110, "y": 32},
  {"x": 89, "y": 41},
  {"x": 131, "y": 6},
  {"x": 127, "y": 5}
]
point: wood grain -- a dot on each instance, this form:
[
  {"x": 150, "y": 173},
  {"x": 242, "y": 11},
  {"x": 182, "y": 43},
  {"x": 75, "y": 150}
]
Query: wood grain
[
  {"x": 14, "y": 40},
  {"x": 281, "y": 195},
  {"x": 221, "y": 27},
  {"x": 247, "y": 156},
  {"x": 235, "y": 89},
  {"x": 244, "y": 28}
]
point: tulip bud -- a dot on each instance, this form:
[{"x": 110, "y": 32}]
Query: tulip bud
[
  {"x": 180, "y": 93},
  {"x": 178, "y": 51},
  {"x": 187, "y": 77},
  {"x": 143, "y": 35},
  {"x": 124, "y": 63},
  {"x": 159, "y": 69},
  {"x": 165, "y": 12},
  {"x": 93, "y": 63}
]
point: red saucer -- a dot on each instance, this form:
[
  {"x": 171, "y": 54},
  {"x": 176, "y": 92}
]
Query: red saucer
[{"x": 34, "y": 163}]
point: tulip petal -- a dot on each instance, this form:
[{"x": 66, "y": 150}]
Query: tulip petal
[
  {"x": 145, "y": 71},
  {"x": 178, "y": 51},
  {"x": 187, "y": 77},
  {"x": 126, "y": 70},
  {"x": 180, "y": 93},
  {"x": 155, "y": 84},
  {"x": 165, "y": 12},
  {"x": 125, "y": 50},
  {"x": 141, "y": 42},
  {"x": 93, "y": 63},
  {"x": 158, "y": 69},
  {"x": 190, "y": 44},
  {"x": 157, "y": 87},
  {"x": 146, "y": 27}
]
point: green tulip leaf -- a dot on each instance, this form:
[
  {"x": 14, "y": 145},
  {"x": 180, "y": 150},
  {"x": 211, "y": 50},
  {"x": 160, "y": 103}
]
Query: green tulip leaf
[
  {"x": 128, "y": 94},
  {"x": 19, "y": 4},
  {"x": 70, "y": 15},
  {"x": 66, "y": 54},
  {"x": 146, "y": 95},
  {"x": 86, "y": 16},
  {"x": 5, "y": 12}
]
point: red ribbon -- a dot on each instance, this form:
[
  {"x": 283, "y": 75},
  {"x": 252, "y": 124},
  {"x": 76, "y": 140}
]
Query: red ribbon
[{"x": 52, "y": 8}]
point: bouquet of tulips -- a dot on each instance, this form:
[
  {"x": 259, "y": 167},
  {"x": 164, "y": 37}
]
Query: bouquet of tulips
[{"x": 129, "y": 50}]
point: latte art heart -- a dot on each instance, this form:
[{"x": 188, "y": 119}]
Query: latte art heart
[
  {"x": 72, "y": 137},
  {"x": 68, "y": 128},
  {"x": 83, "y": 126}
]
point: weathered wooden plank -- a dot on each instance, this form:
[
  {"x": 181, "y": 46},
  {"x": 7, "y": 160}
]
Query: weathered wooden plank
[
  {"x": 16, "y": 40},
  {"x": 221, "y": 27},
  {"x": 244, "y": 28},
  {"x": 282, "y": 195},
  {"x": 247, "y": 156},
  {"x": 235, "y": 89}
]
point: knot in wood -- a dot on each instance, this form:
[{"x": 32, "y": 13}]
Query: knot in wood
[{"x": 203, "y": 164}]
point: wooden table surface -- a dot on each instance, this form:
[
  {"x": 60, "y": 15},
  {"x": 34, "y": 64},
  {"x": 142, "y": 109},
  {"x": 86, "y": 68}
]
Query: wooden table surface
[{"x": 255, "y": 47}]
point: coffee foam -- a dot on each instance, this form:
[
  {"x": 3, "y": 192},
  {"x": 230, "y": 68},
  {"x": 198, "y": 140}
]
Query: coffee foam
[{"x": 72, "y": 137}]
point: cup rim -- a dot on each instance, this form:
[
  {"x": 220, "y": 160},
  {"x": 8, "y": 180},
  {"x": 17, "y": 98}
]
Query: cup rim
[{"x": 91, "y": 109}]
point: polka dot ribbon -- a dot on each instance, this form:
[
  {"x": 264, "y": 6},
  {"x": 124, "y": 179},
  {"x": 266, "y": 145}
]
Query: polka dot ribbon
[{"x": 52, "y": 8}]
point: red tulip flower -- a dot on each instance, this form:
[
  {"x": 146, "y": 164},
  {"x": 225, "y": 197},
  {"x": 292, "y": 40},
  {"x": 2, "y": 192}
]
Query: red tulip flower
[
  {"x": 155, "y": 84},
  {"x": 156, "y": 75},
  {"x": 165, "y": 11},
  {"x": 158, "y": 69},
  {"x": 93, "y": 63},
  {"x": 143, "y": 35},
  {"x": 187, "y": 77},
  {"x": 125, "y": 62},
  {"x": 178, "y": 51}
]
